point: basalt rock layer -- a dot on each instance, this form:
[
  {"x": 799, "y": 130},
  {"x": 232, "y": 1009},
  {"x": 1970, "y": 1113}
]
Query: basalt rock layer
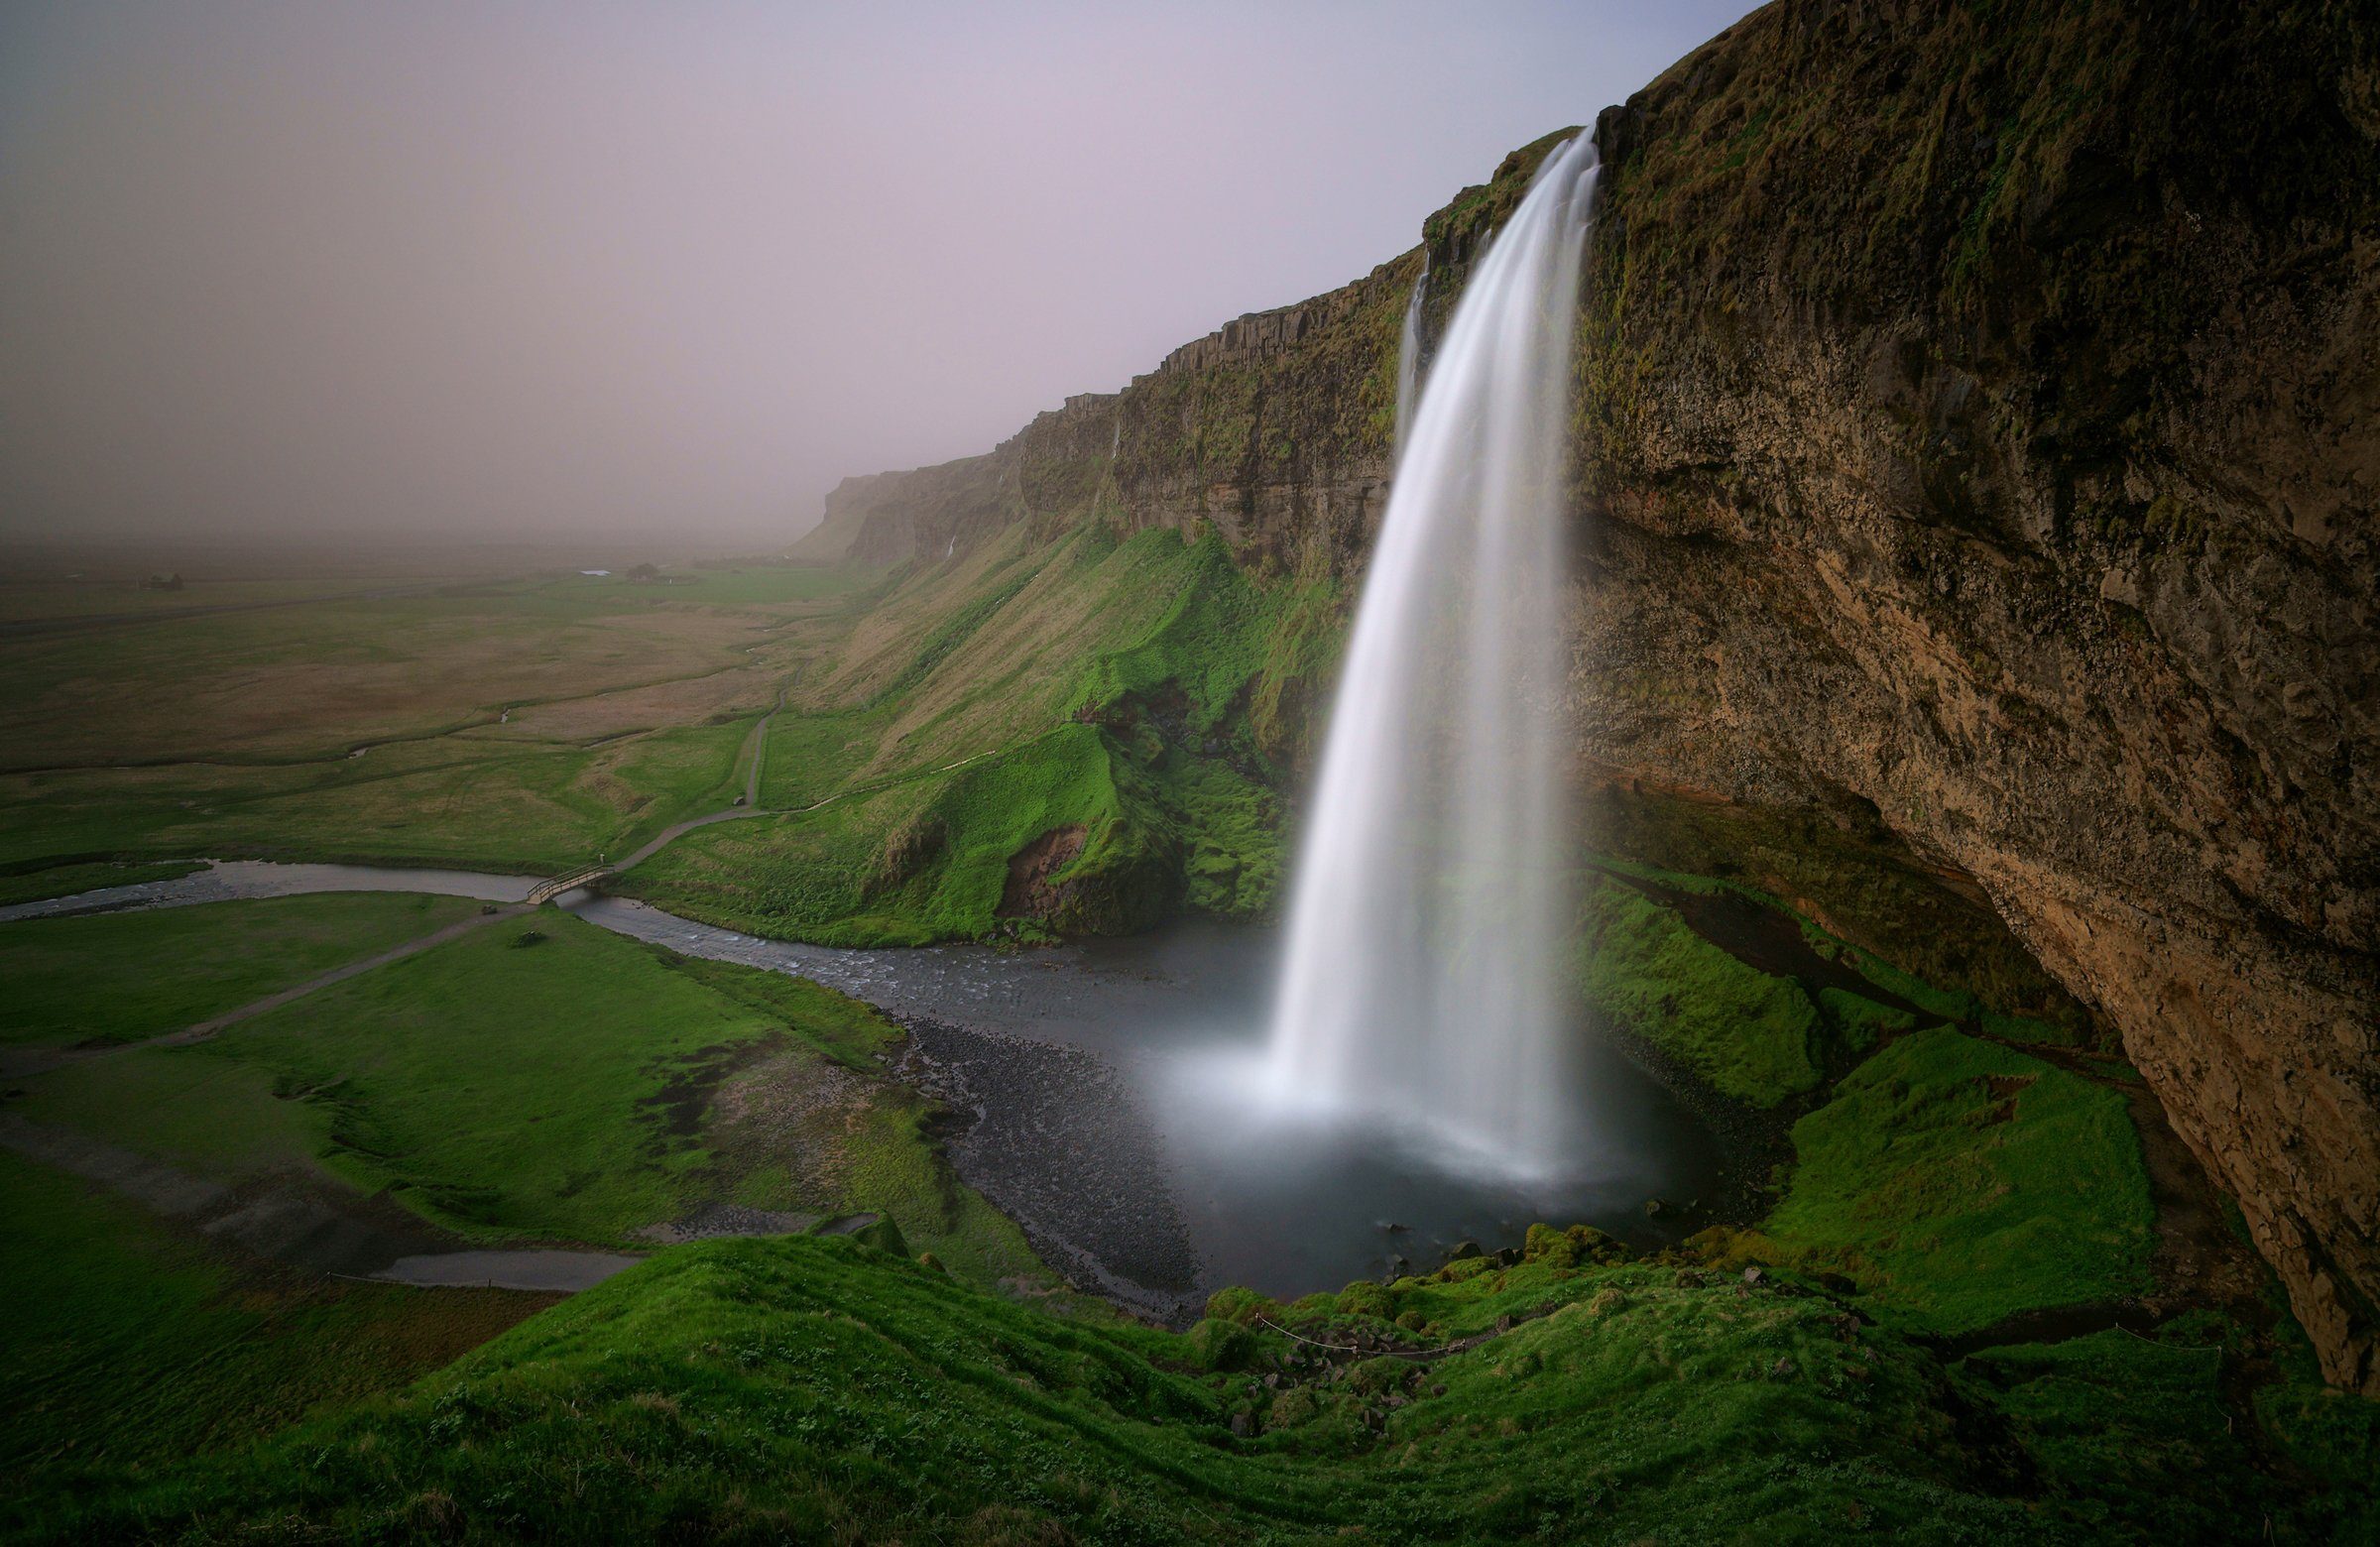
[{"x": 1976, "y": 425}]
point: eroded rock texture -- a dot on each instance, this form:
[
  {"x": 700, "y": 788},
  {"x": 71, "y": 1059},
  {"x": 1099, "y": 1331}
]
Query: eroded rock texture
[
  {"x": 1977, "y": 420},
  {"x": 1982, "y": 421}
]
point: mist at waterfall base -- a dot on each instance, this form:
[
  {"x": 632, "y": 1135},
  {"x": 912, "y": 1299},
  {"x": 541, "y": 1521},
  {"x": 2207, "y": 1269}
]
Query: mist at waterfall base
[{"x": 1423, "y": 990}]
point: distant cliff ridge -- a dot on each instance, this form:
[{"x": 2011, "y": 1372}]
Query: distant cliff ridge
[
  {"x": 1979, "y": 425},
  {"x": 1277, "y": 428}
]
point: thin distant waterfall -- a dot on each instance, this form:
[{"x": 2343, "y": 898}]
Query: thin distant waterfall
[
  {"x": 1430, "y": 903},
  {"x": 1408, "y": 358}
]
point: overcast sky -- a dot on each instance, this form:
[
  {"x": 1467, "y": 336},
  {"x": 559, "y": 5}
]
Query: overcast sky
[{"x": 514, "y": 269}]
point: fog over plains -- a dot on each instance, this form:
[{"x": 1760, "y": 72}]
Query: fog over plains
[{"x": 524, "y": 269}]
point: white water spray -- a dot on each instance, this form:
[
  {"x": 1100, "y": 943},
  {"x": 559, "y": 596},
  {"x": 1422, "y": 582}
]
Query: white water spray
[{"x": 1424, "y": 982}]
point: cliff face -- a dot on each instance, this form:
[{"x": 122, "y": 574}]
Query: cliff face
[
  {"x": 1976, "y": 422},
  {"x": 1983, "y": 420},
  {"x": 1275, "y": 429}
]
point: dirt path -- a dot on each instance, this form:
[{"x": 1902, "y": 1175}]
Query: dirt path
[
  {"x": 437, "y": 937},
  {"x": 760, "y": 749},
  {"x": 22, "y": 1062}
]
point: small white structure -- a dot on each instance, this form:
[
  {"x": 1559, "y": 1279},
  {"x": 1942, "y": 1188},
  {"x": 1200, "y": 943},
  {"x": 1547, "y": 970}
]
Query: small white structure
[{"x": 597, "y": 574}]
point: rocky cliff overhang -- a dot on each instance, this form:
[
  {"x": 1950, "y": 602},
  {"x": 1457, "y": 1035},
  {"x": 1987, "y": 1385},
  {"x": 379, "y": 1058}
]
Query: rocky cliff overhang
[{"x": 1980, "y": 415}]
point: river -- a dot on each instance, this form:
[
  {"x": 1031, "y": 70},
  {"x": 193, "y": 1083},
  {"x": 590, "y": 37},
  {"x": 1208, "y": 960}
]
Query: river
[{"x": 1100, "y": 1082}]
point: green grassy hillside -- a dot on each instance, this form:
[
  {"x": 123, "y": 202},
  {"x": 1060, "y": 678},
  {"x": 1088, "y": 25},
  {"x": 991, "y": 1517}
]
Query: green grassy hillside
[
  {"x": 131, "y": 1345},
  {"x": 1118, "y": 710},
  {"x": 811, "y": 1389}
]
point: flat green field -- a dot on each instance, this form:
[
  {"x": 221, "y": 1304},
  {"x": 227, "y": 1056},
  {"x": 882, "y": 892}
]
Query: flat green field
[
  {"x": 122, "y": 977},
  {"x": 538, "y": 1079},
  {"x": 31, "y": 602},
  {"x": 501, "y": 725}
]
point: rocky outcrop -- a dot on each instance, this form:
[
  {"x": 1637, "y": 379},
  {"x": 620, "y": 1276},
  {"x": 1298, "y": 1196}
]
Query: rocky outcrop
[
  {"x": 1976, "y": 426},
  {"x": 1982, "y": 421}
]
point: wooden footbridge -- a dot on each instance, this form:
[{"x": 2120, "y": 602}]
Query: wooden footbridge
[{"x": 547, "y": 890}]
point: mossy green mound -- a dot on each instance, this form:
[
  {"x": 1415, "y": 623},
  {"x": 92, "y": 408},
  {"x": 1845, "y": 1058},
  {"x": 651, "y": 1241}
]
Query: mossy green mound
[{"x": 1959, "y": 1182}]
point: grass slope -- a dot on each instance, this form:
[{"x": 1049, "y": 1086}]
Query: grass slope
[
  {"x": 804, "y": 1388},
  {"x": 1749, "y": 1035},
  {"x": 131, "y": 1344},
  {"x": 122, "y": 977},
  {"x": 1138, "y": 690}
]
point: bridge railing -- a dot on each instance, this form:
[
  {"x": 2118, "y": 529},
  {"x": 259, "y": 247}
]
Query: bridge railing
[{"x": 547, "y": 890}]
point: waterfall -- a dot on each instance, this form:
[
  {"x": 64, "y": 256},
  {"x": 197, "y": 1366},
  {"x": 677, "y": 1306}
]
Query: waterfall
[
  {"x": 1429, "y": 908},
  {"x": 1408, "y": 357}
]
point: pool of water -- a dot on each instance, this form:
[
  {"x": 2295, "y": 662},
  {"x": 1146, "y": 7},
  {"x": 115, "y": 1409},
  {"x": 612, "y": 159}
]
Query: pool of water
[
  {"x": 1286, "y": 1202},
  {"x": 1116, "y": 1103}
]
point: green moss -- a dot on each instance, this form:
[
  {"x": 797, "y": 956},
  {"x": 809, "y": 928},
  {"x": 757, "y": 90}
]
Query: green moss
[
  {"x": 2134, "y": 1437},
  {"x": 1959, "y": 1182},
  {"x": 1220, "y": 1345},
  {"x": 806, "y": 1386},
  {"x": 802, "y": 1387},
  {"x": 1854, "y": 886},
  {"x": 1861, "y": 1022},
  {"x": 1748, "y": 1034}
]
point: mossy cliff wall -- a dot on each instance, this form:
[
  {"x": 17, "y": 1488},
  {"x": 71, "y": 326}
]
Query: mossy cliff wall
[
  {"x": 1979, "y": 402},
  {"x": 1976, "y": 422}
]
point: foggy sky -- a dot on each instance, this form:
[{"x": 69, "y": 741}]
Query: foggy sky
[{"x": 506, "y": 268}]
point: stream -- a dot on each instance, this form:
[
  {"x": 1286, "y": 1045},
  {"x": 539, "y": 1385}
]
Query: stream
[{"x": 1099, "y": 1093}]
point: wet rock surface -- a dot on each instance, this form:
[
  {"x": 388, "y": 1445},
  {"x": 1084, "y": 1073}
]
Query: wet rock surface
[{"x": 1058, "y": 1141}]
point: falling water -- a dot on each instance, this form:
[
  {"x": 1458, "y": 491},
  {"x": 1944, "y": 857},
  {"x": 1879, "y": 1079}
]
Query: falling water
[
  {"x": 1408, "y": 357},
  {"x": 1423, "y": 983}
]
